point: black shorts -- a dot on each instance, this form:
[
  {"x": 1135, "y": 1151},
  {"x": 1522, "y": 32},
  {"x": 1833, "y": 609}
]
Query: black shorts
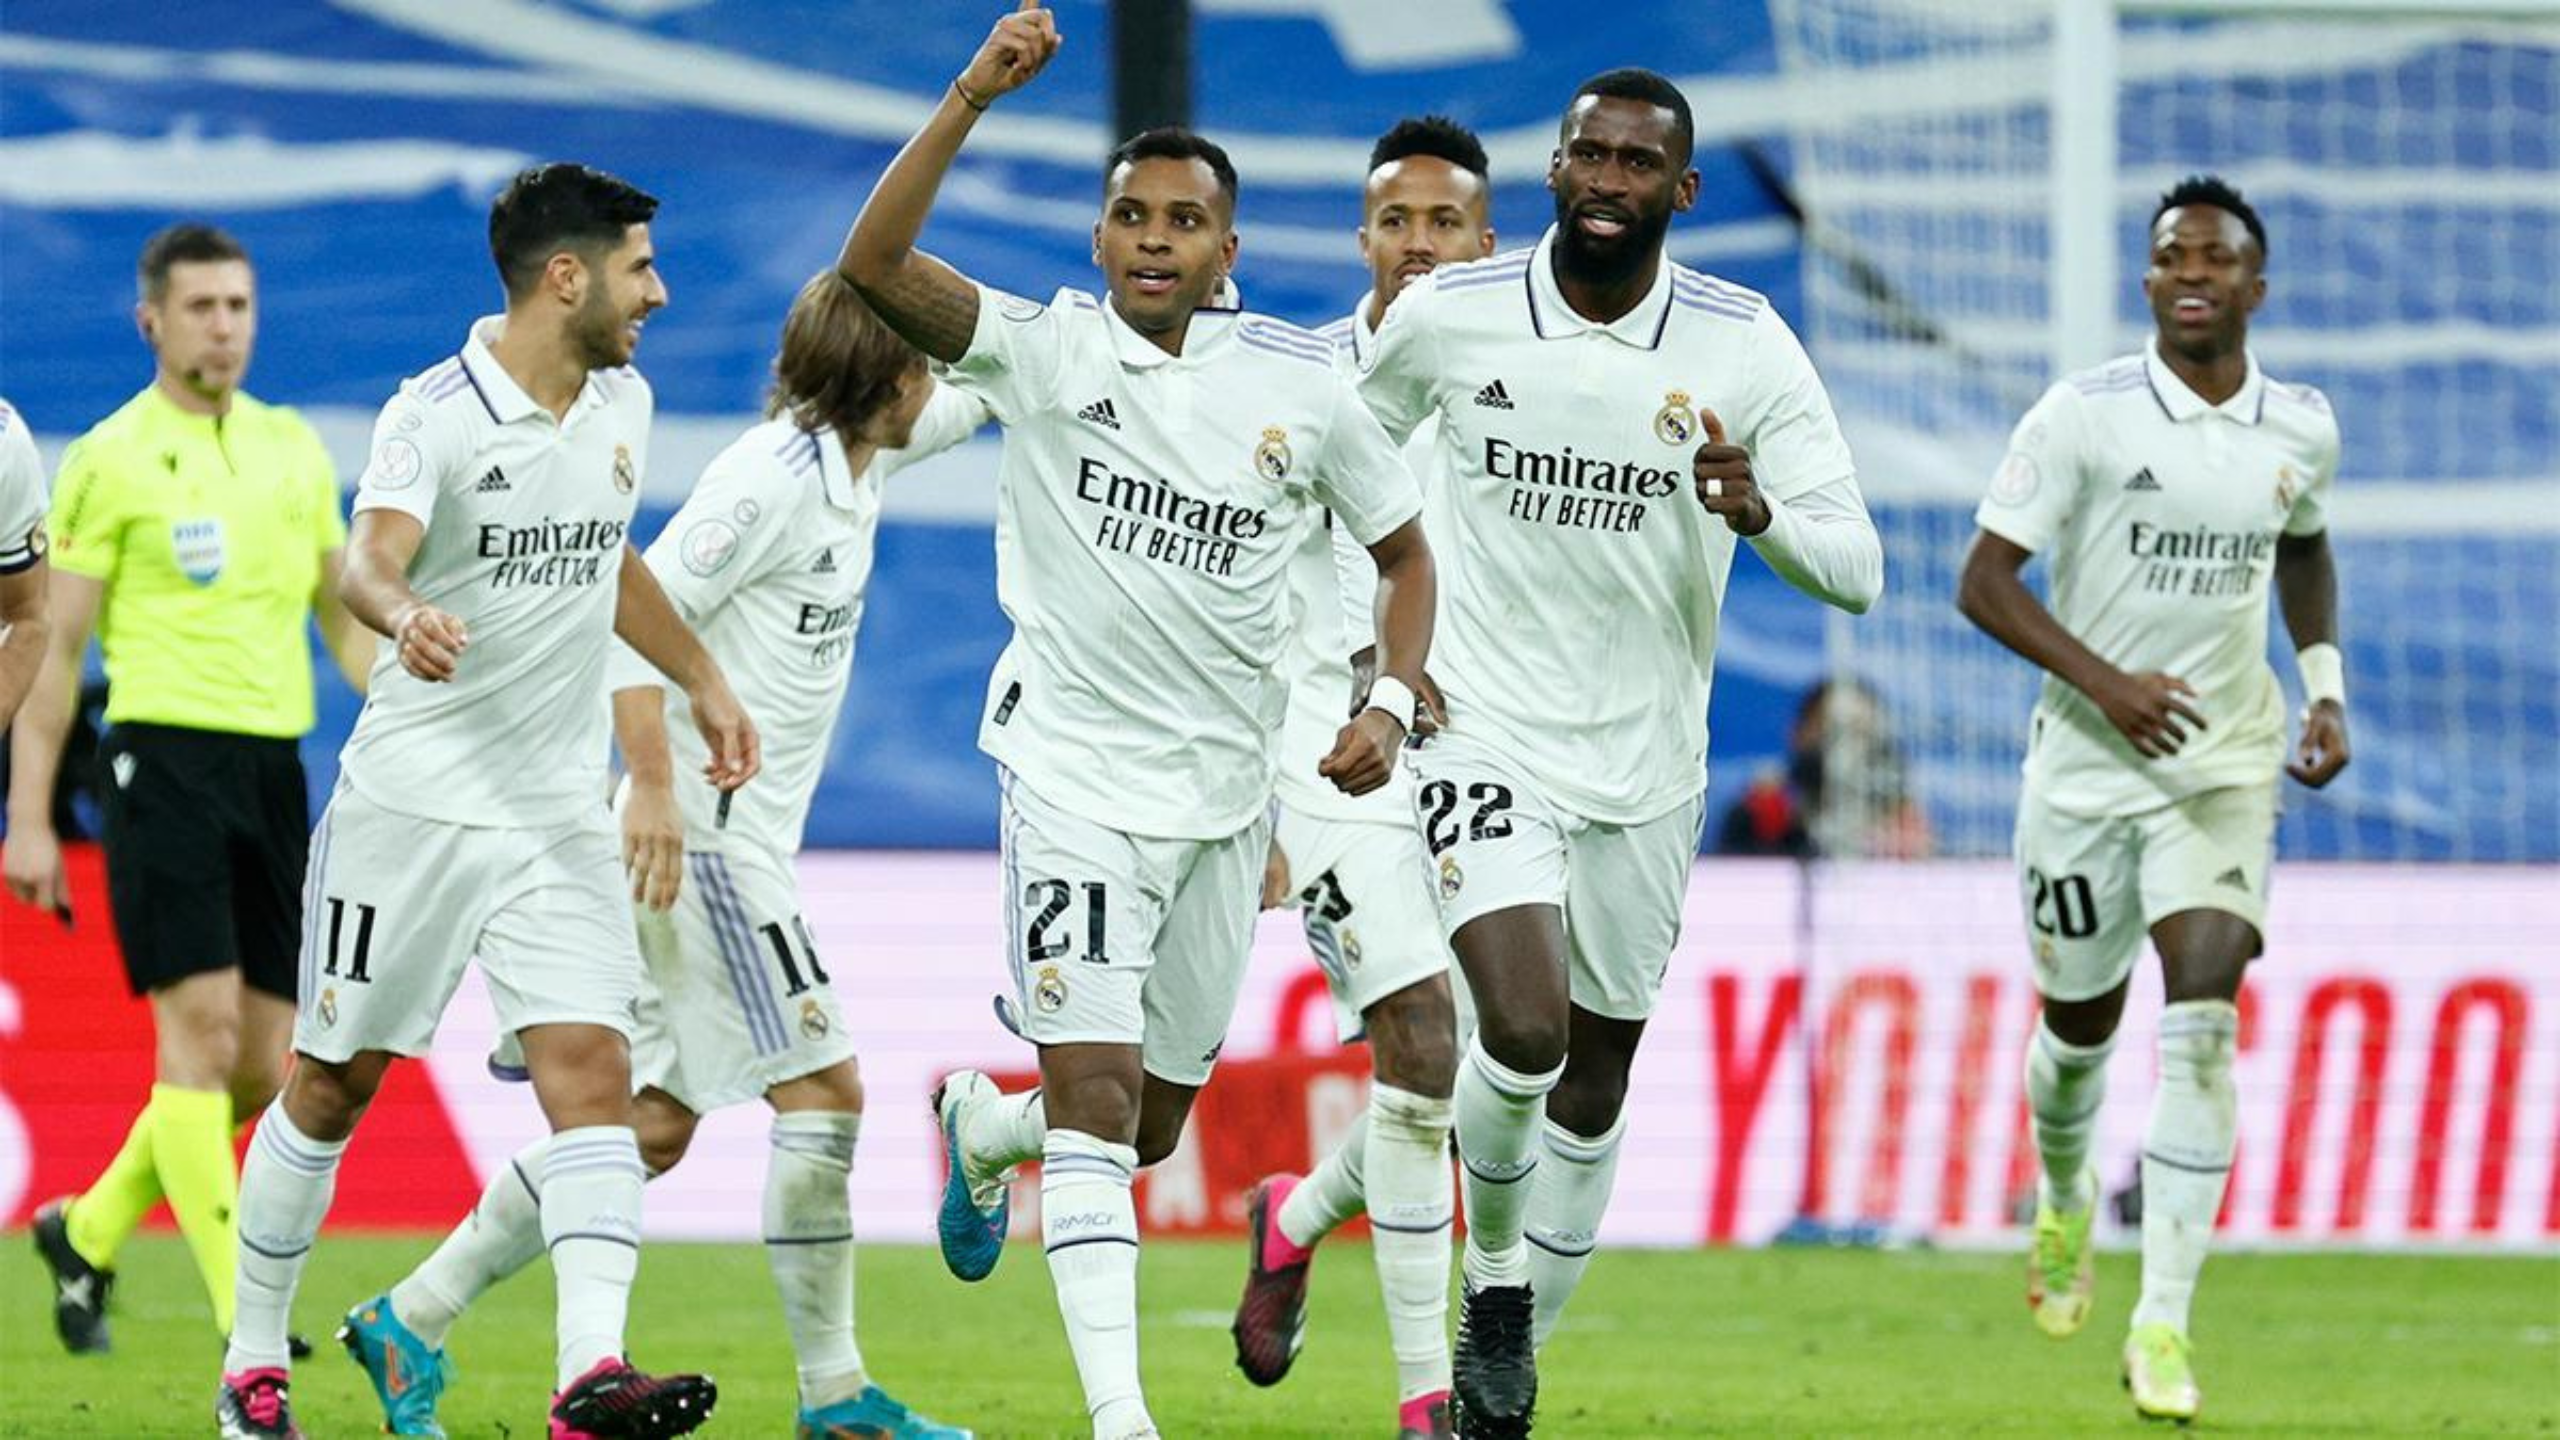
[{"x": 206, "y": 835}]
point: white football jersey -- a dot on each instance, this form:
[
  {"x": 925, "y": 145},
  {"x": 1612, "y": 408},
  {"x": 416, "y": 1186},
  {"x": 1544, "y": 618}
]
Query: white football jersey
[
  {"x": 526, "y": 519},
  {"x": 768, "y": 561},
  {"x": 1333, "y": 585},
  {"x": 2161, "y": 515},
  {"x": 1580, "y": 579},
  {"x": 1147, "y": 506},
  {"x": 22, "y": 502}
]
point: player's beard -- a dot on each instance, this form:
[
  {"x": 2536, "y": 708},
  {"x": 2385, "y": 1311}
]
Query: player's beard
[
  {"x": 1610, "y": 262},
  {"x": 601, "y": 345}
]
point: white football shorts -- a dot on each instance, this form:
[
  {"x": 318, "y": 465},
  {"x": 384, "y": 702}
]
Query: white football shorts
[
  {"x": 738, "y": 1000},
  {"x": 1127, "y": 939},
  {"x": 1364, "y": 891},
  {"x": 2093, "y": 886},
  {"x": 1495, "y": 843},
  {"x": 395, "y": 905}
]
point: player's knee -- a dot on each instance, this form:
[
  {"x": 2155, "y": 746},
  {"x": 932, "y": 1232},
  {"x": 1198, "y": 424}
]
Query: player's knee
[
  {"x": 1413, "y": 1040},
  {"x": 1530, "y": 1044},
  {"x": 1587, "y": 1102},
  {"x": 325, "y": 1099},
  {"x": 1158, "y": 1140}
]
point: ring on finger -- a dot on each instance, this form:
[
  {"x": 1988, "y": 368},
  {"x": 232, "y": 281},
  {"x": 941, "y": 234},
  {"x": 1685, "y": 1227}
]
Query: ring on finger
[{"x": 1715, "y": 488}]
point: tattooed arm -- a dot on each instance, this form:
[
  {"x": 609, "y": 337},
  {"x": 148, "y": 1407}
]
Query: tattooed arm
[{"x": 932, "y": 305}]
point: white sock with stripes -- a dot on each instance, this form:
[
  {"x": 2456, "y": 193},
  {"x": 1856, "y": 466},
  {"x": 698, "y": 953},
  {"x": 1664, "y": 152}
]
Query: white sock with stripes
[
  {"x": 591, "y": 1223},
  {"x": 808, "y": 1242},
  {"x": 2186, "y": 1154},
  {"x": 285, "y": 1188},
  {"x": 1089, "y": 1224},
  {"x": 501, "y": 1235},
  {"x": 1575, "y": 1177}
]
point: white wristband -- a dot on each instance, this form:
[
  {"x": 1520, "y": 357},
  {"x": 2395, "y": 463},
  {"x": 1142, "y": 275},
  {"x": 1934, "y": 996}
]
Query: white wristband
[
  {"x": 2324, "y": 673},
  {"x": 1393, "y": 696}
]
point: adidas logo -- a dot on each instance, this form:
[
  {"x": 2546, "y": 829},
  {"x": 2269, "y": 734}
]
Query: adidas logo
[
  {"x": 2142, "y": 480},
  {"x": 2234, "y": 877},
  {"x": 494, "y": 481},
  {"x": 1100, "y": 413},
  {"x": 826, "y": 563},
  {"x": 1494, "y": 397}
]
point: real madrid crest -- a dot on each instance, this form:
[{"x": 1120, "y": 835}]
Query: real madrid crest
[
  {"x": 2286, "y": 489},
  {"x": 1049, "y": 992},
  {"x": 1673, "y": 424},
  {"x": 1271, "y": 458},
  {"x": 1452, "y": 879},
  {"x": 1350, "y": 950},
  {"x": 624, "y": 477},
  {"x": 329, "y": 1007}
]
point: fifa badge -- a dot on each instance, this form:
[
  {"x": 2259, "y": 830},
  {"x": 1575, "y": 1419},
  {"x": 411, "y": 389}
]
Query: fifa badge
[
  {"x": 813, "y": 1020},
  {"x": 1271, "y": 458},
  {"x": 1672, "y": 424},
  {"x": 1050, "y": 992},
  {"x": 624, "y": 477},
  {"x": 1452, "y": 879}
]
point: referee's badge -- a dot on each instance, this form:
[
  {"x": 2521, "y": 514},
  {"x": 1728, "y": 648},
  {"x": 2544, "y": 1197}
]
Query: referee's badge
[
  {"x": 624, "y": 477},
  {"x": 1673, "y": 424},
  {"x": 199, "y": 547},
  {"x": 1050, "y": 991},
  {"x": 1271, "y": 458}
]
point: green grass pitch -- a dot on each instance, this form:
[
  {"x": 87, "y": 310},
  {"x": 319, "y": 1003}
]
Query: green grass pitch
[{"x": 1658, "y": 1344}]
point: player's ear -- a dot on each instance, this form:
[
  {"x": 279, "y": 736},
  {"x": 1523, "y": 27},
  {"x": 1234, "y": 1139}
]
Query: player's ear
[
  {"x": 1686, "y": 193},
  {"x": 1555, "y": 162},
  {"x": 1227, "y": 252},
  {"x": 1485, "y": 241},
  {"x": 565, "y": 275},
  {"x": 1097, "y": 242}
]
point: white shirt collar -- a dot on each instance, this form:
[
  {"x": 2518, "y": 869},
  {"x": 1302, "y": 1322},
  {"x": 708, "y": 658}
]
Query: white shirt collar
[
  {"x": 1553, "y": 319},
  {"x": 1209, "y": 325},
  {"x": 835, "y": 472},
  {"x": 2247, "y": 405},
  {"x": 507, "y": 401},
  {"x": 1364, "y": 336}
]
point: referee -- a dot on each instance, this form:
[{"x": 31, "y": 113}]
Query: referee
[{"x": 197, "y": 531}]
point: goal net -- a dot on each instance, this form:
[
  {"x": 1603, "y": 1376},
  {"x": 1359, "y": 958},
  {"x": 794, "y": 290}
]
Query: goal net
[{"x": 2408, "y": 169}]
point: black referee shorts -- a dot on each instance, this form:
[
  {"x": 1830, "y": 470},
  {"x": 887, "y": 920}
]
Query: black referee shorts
[{"x": 206, "y": 835}]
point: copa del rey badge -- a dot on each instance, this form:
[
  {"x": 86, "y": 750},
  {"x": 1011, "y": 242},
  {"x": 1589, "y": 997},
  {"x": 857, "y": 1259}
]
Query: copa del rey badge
[
  {"x": 1673, "y": 424},
  {"x": 1271, "y": 458},
  {"x": 624, "y": 477}
]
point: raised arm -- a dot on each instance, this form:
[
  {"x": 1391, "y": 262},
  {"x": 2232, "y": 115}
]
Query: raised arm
[{"x": 931, "y": 305}]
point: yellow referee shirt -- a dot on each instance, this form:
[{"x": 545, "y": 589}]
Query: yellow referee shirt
[{"x": 208, "y": 534}]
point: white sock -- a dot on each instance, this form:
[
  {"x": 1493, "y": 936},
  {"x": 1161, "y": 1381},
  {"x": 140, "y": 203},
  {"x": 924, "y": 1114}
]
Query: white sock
[
  {"x": 2186, "y": 1154},
  {"x": 284, "y": 1193},
  {"x": 1089, "y": 1224},
  {"x": 1498, "y": 1112},
  {"x": 501, "y": 1235},
  {"x": 808, "y": 1240},
  {"x": 1004, "y": 1133},
  {"x": 1334, "y": 1191},
  {"x": 1566, "y": 1202},
  {"x": 591, "y": 1223},
  {"x": 1411, "y": 1201},
  {"x": 2066, "y": 1085}
]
